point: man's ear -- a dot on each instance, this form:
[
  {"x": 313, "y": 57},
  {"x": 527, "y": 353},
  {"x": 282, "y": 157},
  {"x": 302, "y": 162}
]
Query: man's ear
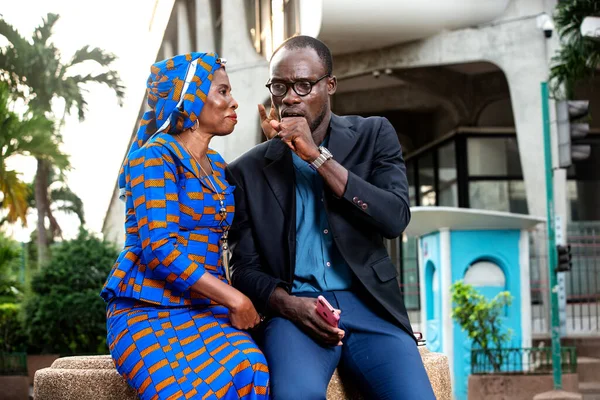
[{"x": 331, "y": 85}]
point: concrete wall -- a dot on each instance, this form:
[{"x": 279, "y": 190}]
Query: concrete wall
[{"x": 516, "y": 387}]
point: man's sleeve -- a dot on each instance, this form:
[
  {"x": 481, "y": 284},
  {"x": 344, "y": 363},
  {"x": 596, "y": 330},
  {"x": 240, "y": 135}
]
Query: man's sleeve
[{"x": 382, "y": 200}]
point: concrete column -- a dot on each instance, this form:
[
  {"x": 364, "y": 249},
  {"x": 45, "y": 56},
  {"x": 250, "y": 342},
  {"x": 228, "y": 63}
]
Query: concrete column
[
  {"x": 248, "y": 72},
  {"x": 422, "y": 288},
  {"x": 184, "y": 36},
  {"x": 168, "y": 50},
  {"x": 445, "y": 279},
  {"x": 205, "y": 31},
  {"x": 524, "y": 84}
]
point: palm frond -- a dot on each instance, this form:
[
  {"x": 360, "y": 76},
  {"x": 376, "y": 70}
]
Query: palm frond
[
  {"x": 14, "y": 58},
  {"x": 69, "y": 202},
  {"x": 95, "y": 54},
  {"x": 43, "y": 32},
  {"x": 579, "y": 57},
  {"x": 109, "y": 78},
  {"x": 15, "y": 194},
  {"x": 12, "y": 35}
]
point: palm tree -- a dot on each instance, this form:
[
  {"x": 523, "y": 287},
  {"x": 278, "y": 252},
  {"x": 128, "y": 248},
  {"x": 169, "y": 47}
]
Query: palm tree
[
  {"x": 35, "y": 71},
  {"x": 61, "y": 199},
  {"x": 30, "y": 136},
  {"x": 579, "y": 57}
]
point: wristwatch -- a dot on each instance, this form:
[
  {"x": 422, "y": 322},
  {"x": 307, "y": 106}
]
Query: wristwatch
[{"x": 324, "y": 156}]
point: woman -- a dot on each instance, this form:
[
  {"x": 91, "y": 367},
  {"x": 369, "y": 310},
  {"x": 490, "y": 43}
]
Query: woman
[{"x": 173, "y": 320}]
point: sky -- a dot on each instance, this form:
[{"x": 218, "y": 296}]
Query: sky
[{"x": 132, "y": 30}]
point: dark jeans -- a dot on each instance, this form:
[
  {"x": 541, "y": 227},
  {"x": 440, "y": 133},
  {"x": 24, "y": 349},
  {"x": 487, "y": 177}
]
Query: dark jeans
[{"x": 381, "y": 357}]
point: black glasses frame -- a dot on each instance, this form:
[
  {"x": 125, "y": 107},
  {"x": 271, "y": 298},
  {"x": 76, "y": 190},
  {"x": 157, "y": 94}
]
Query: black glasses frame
[{"x": 293, "y": 86}]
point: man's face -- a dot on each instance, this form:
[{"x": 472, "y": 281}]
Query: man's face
[{"x": 302, "y": 65}]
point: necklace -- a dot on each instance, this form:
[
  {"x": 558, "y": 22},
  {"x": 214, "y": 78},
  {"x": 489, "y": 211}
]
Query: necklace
[
  {"x": 222, "y": 210},
  {"x": 221, "y": 197}
]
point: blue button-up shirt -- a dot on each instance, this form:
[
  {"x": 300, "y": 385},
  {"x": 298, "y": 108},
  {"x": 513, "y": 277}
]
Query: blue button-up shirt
[{"x": 319, "y": 265}]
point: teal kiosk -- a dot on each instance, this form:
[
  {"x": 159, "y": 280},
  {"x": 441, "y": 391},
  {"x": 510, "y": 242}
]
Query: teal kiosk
[{"x": 487, "y": 249}]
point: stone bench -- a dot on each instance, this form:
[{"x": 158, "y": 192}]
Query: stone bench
[{"x": 95, "y": 377}]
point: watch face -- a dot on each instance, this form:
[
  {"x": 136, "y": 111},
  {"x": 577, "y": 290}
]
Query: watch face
[{"x": 325, "y": 151}]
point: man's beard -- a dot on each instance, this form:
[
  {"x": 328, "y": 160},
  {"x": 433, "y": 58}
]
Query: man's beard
[{"x": 317, "y": 121}]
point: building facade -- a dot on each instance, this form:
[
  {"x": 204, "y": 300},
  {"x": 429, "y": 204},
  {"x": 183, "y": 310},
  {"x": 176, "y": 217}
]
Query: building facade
[{"x": 460, "y": 82}]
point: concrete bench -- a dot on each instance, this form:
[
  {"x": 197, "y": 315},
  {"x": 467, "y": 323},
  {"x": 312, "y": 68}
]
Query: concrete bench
[{"x": 95, "y": 377}]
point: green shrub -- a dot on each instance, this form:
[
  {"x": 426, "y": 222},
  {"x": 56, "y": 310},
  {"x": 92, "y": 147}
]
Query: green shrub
[
  {"x": 64, "y": 311},
  {"x": 11, "y": 290},
  {"x": 481, "y": 319},
  {"x": 12, "y": 335}
]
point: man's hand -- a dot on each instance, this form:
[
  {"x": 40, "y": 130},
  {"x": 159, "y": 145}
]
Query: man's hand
[
  {"x": 265, "y": 121},
  {"x": 303, "y": 312},
  {"x": 295, "y": 132}
]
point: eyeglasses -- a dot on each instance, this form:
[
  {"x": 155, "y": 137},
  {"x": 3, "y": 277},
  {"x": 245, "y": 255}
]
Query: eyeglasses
[{"x": 302, "y": 88}]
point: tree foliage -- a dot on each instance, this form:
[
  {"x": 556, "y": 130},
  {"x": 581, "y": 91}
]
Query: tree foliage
[
  {"x": 29, "y": 135},
  {"x": 11, "y": 290},
  {"x": 12, "y": 335},
  {"x": 481, "y": 319},
  {"x": 64, "y": 312},
  {"x": 35, "y": 71},
  {"x": 579, "y": 57}
]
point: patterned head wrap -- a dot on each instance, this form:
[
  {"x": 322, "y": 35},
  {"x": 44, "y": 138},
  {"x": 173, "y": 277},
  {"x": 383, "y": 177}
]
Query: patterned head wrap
[{"x": 176, "y": 91}]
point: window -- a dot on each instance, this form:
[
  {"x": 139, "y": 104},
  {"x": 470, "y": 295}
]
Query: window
[
  {"x": 410, "y": 174},
  {"x": 448, "y": 185},
  {"x": 426, "y": 173},
  {"x": 493, "y": 157},
  {"x": 498, "y": 195},
  {"x": 409, "y": 276},
  {"x": 583, "y": 187}
]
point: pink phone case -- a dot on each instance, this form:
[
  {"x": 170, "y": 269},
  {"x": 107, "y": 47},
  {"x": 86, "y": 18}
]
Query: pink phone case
[{"x": 327, "y": 312}]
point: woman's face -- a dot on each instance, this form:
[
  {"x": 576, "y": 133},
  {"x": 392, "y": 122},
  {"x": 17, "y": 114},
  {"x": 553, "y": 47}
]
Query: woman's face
[{"x": 218, "y": 115}]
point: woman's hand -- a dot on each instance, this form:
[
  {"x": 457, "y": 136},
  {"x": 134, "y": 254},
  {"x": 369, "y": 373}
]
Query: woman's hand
[
  {"x": 265, "y": 121},
  {"x": 242, "y": 314}
]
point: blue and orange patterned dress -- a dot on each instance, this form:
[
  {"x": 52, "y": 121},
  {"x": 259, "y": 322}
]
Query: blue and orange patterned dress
[{"x": 168, "y": 341}]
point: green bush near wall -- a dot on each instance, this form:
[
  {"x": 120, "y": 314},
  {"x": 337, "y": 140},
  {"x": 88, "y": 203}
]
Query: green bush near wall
[
  {"x": 12, "y": 334},
  {"x": 64, "y": 313}
]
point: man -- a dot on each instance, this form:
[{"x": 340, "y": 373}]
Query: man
[{"x": 313, "y": 205}]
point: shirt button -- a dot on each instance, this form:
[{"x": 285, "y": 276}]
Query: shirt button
[
  {"x": 326, "y": 231},
  {"x": 328, "y": 264},
  {"x": 355, "y": 199},
  {"x": 364, "y": 206},
  {"x": 360, "y": 203}
]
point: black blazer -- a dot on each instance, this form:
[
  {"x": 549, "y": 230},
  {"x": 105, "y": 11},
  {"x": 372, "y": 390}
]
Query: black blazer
[{"x": 375, "y": 205}]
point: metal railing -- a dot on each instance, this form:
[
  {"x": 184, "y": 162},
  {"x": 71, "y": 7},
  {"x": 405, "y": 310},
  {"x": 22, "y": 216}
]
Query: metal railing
[
  {"x": 13, "y": 364},
  {"x": 582, "y": 283},
  {"x": 530, "y": 361}
]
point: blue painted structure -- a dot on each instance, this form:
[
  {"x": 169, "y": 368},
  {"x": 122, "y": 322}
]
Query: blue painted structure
[
  {"x": 502, "y": 249},
  {"x": 491, "y": 250}
]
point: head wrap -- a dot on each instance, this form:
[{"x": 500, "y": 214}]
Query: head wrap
[{"x": 176, "y": 92}]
